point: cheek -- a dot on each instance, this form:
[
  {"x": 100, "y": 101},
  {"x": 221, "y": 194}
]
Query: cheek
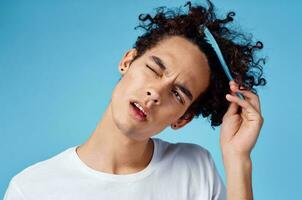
[
  {"x": 130, "y": 81},
  {"x": 135, "y": 76},
  {"x": 170, "y": 113}
]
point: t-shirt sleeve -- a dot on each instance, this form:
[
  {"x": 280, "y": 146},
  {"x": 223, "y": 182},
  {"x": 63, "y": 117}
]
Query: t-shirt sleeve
[
  {"x": 13, "y": 192},
  {"x": 218, "y": 189}
]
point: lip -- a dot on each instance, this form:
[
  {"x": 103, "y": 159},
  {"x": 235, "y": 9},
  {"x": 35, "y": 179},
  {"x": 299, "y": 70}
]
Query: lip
[{"x": 134, "y": 113}]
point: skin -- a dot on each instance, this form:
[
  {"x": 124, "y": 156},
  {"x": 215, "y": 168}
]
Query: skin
[
  {"x": 239, "y": 133},
  {"x": 121, "y": 144}
]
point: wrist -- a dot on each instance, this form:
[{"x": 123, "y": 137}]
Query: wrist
[
  {"x": 238, "y": 172},
  {"x": 237, "y": 162},
  {"x": 233, "y": 154}
]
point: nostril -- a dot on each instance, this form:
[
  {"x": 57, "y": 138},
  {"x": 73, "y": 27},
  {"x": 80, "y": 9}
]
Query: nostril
[
  {"x": 155, "y": 100},
  {"x": 148, "y": 93}
]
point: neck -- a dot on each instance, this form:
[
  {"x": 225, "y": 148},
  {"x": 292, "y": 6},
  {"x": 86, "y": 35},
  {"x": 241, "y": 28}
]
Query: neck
[{"x": 109, "y": 150}]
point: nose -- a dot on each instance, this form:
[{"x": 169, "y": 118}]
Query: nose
[{"x": 153, "y": 97}]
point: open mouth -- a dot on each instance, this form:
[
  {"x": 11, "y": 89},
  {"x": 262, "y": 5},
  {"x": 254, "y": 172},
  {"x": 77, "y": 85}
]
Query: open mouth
[{"x": 138, "y": 111}]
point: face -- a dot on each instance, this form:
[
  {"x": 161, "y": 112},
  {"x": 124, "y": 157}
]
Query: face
[{"x": 164, "y": 81}]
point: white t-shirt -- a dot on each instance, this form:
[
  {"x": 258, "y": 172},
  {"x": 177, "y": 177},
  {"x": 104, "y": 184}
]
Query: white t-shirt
[{"x": 181, "y": 171}]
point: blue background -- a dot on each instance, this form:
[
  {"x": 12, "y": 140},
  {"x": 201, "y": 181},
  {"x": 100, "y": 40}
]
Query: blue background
[{"x": 58, "y": 67}]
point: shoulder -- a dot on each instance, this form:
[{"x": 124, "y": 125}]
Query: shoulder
[
  {"x": 42, "y": 168},
  {"x": 182, "y": 147},
  {"x": 182, "y": 151}
]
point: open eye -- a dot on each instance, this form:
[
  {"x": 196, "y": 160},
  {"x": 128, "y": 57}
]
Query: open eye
[{"x": 177, "y": 95}]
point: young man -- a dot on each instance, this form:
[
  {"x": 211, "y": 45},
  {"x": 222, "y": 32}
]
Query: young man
[{"x": 167, "y": 79}]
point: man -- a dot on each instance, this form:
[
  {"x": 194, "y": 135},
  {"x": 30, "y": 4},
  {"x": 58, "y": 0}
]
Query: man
[{"x": 162, "y": 84}]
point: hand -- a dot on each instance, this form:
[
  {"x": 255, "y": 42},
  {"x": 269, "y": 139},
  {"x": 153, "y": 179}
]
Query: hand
[{"x": 240, "y": 130}]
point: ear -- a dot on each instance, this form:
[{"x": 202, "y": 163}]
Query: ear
[
  {"x": 182, "y": 121},
  {"x": 124, "y": 64}
]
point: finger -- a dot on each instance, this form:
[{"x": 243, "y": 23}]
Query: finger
[
  {"x": 247, "y": 93},
  {"x": 232, "y": 109},
  {"x": 241, "y": 102},
  {"x": 249, "y": 96},
  {"x": 248, "y": 111}
]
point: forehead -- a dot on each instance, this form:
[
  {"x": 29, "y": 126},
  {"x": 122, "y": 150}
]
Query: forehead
[{"x": 183, "y": 59}]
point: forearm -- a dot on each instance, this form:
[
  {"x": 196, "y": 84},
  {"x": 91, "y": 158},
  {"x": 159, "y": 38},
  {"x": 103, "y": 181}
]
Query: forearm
[{"x": 238, "y": 178}]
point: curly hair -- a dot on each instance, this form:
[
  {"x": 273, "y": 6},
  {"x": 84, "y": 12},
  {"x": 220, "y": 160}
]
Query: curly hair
[{"x": 238, "y": 50}]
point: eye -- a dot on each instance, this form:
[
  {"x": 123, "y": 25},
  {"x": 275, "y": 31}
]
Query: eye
[
  {"x": 175, "y": 93},
  {"x": 152, "y": 69},
  {"x": 178, "y": 97}
]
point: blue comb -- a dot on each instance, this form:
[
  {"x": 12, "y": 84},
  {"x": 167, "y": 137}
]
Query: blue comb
[{"x": 214, "y": 44}]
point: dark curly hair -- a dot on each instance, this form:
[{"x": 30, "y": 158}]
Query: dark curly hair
[{"x": 237, "y": 48}]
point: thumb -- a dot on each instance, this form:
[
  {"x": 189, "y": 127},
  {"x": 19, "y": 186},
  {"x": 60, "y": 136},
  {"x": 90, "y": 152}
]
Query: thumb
[{"x": 232, "y": 109}]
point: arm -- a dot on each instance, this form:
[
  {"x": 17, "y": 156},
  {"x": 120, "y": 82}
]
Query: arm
[
  {"x": 239, "y": 133},
  {"x": 238, "y": 178}
]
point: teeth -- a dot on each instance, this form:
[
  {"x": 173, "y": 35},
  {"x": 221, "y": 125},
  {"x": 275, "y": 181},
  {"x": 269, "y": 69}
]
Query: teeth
[{"x": 141, "y": 108}]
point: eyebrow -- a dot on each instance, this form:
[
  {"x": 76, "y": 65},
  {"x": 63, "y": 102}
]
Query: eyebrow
[{"x": 163, "y": 67}]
